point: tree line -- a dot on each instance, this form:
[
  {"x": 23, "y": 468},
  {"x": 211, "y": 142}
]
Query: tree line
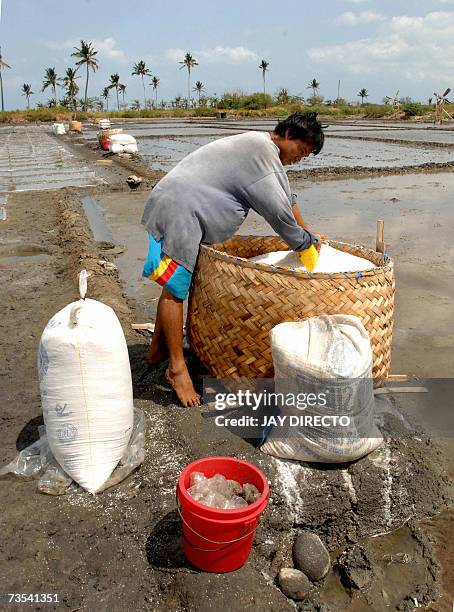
[{"x": 87, "y": 62}]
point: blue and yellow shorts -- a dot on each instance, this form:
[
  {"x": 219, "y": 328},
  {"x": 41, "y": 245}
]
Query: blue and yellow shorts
[{"x": 165, "y": 271}]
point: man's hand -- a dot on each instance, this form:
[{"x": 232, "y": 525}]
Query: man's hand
[{"x": 323, "y": 239}]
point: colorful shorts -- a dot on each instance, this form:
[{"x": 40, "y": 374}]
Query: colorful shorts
[{"x": 165, "y": 271}]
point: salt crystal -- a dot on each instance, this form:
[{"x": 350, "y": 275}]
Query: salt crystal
[
  {"x": 214, "y": 500},
  {"x": 218, "y": 492},
  {"x": 235, "y": 503},
  {"x": 250, "y": 493},
  {"x": 196, "y": 477},
  {"x": 235, "y": 487}
]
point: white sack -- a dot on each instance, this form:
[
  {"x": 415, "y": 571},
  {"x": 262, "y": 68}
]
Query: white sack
[
  {"x": 324, "y": 355},
  {"x": 330, "y": 260},
  {"x": 86, "y": 390},
  {"x": 122, "y": 139},
  {"x": 116, "y": 148},
  {"x": 130, "y": 148},
  {"x": 58, "y": 128}
]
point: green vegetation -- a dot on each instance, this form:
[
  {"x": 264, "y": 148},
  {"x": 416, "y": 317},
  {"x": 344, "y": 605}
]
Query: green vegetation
[
  {"x": 140, "y": 69},
  {"x": 234, "y": 104},
  {"x": 51, "y": 80},
  {"x": 264, "y": 67},
  {"x": 189, "y": 62},
  {"x": 363, "y": 93},
  {"x": 415, "y": 109},
  {"x": 27, "y": 92},
  {"x": 86, "y": 56},
  {"x": 115, "y": 84}
]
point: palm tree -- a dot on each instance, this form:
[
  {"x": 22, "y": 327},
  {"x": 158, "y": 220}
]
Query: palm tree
[
  {"x": 189, "y": 62},
  {"x": 86, "y": 55},
  {"x": 72, "y": 88},
  {"x": 199, "y": 88},
  {"x": 135, "y": 105},
  {"x": 122, "y": 89},
  {"x": 106, "y": 95},
  {"x": 314, "y": 85},
  {"x": 27, "y": 92},
  {"x": 140, "y": 69},
  {"x": 3, "y": 65},
  {"x": 264, "y": 67},
  {"x": 51, "y": 80},
  {"x": 363, "y": 93},
  {"x": 115, "y": 84},
  {"x": 283, "y": 96},
  {"x": 154, "y": 83}
]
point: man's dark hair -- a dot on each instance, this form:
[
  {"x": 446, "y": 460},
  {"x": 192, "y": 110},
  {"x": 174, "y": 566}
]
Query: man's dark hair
[{"x": 304, "y": 127}]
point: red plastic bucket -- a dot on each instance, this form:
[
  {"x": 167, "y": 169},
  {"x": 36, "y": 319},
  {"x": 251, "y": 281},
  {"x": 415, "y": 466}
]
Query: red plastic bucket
[{"x": 218, "y": 540}]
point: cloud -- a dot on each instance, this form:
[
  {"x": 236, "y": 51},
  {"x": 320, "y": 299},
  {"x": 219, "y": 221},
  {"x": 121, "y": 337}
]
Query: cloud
[
  {"x": 107, "y": 48},
  {"x": 230, "y": 54},
  {"x": 350, "y": 18},
  {"x": 175, "y": 55},
  {"x": 416, "y": 48},
  {"x": 356, "y": 1},
  {"x": 214, "y": 55}
]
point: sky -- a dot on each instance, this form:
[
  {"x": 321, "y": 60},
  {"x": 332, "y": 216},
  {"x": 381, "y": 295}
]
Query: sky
[{"x": 382, "y": 45}]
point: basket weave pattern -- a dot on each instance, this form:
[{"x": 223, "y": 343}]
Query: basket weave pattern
[{"x": 234, "y": 303}]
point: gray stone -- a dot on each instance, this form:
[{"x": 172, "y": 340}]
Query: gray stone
[
  {"x": 294, "y": 584},
  {"x": 311, "y": 556}
]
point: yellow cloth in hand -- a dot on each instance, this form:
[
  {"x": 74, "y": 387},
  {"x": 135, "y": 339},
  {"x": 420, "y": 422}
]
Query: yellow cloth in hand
[{"x": 309, "y": 257}]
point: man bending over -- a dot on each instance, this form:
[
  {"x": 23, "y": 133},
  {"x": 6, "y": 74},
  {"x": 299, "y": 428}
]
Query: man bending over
[{"x": 205, "y": 199}]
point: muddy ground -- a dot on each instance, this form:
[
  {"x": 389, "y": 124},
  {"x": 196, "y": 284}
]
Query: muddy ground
[{"x": 121, "y": 549}]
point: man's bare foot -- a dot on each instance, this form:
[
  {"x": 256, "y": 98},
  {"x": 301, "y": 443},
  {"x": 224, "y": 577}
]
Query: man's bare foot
[
  {"x": 182, "y": 384},
  {"x": 157, "y": 353}
]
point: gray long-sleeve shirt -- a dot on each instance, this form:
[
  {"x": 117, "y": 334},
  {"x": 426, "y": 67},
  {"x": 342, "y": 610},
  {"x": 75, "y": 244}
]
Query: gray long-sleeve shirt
[{"x": 207, "y": 196}]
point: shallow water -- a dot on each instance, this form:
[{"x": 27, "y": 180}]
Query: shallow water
[
  {"x": 416, "y": 135},
  {"x": 164, "y": 153},
  {"x": 13, "y": 254}
]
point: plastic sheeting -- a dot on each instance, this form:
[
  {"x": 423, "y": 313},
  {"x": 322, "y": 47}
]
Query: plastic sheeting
[{"x": 37, "y": 461}]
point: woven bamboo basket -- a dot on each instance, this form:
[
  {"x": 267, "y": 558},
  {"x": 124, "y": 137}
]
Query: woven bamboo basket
[{"x": 234, "y": 303}]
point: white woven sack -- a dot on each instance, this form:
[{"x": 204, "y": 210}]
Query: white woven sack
[
  {"x": 122, "y": 139},
  {"x": 86, "y": 389},
  {"x": 325, "y": 355},
  {"x": 130, "y": 148},
  {"x": 115, "y": 147}
]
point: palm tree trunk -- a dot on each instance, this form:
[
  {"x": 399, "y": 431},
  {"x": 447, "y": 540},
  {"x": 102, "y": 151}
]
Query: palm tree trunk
[
  {"x": 264, "y": 90},
  {"x": 86, "y": 92},
  {"x": 28, "y": 102},
  {"x": 156, "y": 97},
  {"x": 118, "y": 99},
  {"x": 1, "y": 91},
  {"x": 54, "y": 91},
  {"x": 144, "y": 94},
  {"x": 189, "y": 87}
]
